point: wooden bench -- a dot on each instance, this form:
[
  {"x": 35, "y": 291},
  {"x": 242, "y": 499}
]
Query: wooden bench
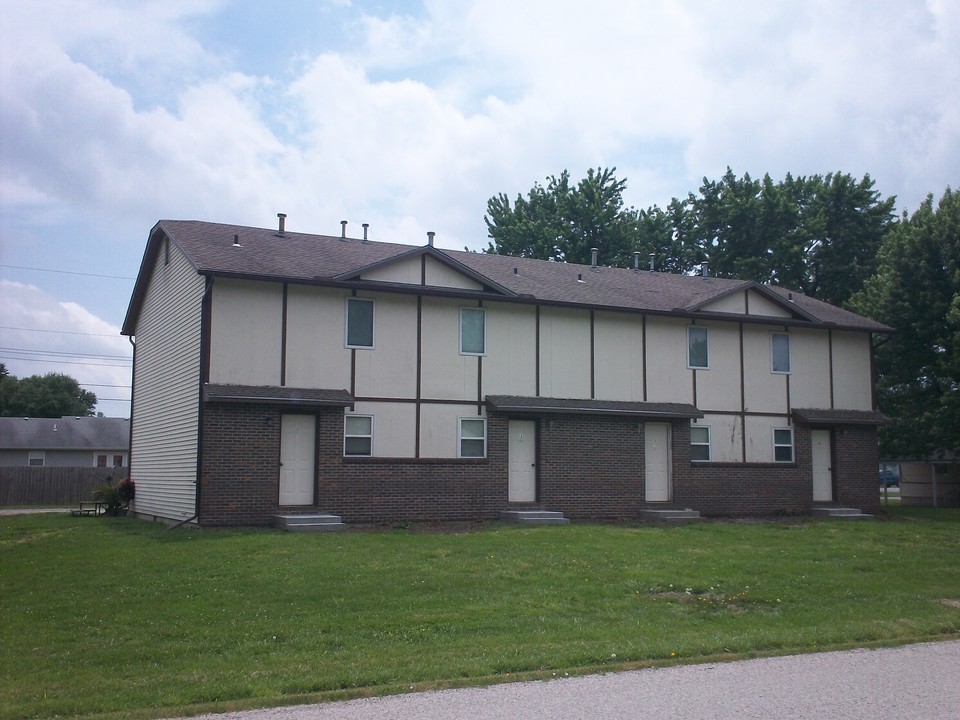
[{"x": 88, "y": 507}]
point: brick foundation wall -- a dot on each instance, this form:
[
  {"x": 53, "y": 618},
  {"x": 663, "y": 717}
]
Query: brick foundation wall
[
  {"x": 589, "y": 467},
  {"x": 751, "y": 489},
  {"x": 856, "y": 459}
]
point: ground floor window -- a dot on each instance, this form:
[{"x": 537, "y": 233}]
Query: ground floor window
[
  {"x": 783, "y": 445},
  {"x": 473, "y": 437},
  {"x": 700, "y": 442},
  {"x": 358, "y": 435}
]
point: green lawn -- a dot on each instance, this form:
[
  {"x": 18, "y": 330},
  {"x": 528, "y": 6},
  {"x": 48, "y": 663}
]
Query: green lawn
[{"x": 117, "y": 616}]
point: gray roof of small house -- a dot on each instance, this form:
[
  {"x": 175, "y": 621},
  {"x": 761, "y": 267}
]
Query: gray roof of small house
[
  {"x": 262, "y": 254},
  {"x": 65, "y": 433}
]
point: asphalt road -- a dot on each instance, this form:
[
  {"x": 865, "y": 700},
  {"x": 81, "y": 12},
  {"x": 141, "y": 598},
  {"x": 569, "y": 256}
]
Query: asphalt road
[{"x": 914, "y": 682}]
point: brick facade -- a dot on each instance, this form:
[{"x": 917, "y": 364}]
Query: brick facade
[{"x": 589, "y": 467}]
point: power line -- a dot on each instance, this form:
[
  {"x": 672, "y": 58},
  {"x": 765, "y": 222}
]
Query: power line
[
  {"x": 61, "y": 332},
  {"x": 67, "y": 272},
  {"x": 61, "y": 353},
  {"x": 67, "y": 362}
]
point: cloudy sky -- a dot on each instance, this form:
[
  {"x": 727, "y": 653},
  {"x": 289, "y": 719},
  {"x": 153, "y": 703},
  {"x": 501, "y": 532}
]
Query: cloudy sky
[{"x": 410, "y": 115}]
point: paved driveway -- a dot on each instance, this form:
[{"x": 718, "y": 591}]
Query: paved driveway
[{"x": 914, "y": 682}]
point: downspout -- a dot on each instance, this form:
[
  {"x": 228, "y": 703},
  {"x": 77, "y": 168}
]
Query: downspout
[
  {"x": 133, "y": 386},
  {"x": 204, "y": 375}
]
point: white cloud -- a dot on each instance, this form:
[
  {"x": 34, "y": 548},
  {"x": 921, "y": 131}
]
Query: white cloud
[{"x": 120, "y": 114}]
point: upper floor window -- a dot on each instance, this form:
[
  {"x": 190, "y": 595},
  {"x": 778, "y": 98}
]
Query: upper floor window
[
  {"x": 782, "y": 445},
  {"x": 358, "y": 435},
  {"x": 473, "y": 437},
  {"x": 700, "y": 442},
  {"x": 36, "y": 458},
  {"x": 359, "y": 323},
  {"x": 697, "y": 352},
  {"x": 780, "y": 352},
  {"x": 473, "y": 331}
]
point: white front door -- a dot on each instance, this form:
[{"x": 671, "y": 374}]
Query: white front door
[
  {"x": 822, "y": 466},
  {"x": 657, "y": 461},
  {"x": 522, "y": 451},
  {"x": 297, "y": 435}
]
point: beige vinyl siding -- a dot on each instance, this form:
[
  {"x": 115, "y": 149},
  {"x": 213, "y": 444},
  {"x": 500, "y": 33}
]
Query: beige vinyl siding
[
  {"x": 852, "y": 381},
  {"x": 564, "y": 353},
  {"x": 438, "y": 429},
  {"x": 316, "y": 356},
  {"x": 764, "y": 390},
  {"x": 245, "y": 332},
  {"x": 810, "y": 368},
  {"x": 618, "y": 357},
  {"x": 439, "y": 275},
  {"x": 166, "y": 381},
  {"x": 510, "y": 366},
  {"x": 762, "y": 306},
  {"x": 389, "y": 369},
  {"x": 718, "y": 388},
  {"x": 668, "y": 378},
  {"x": 446, "y": 374}
]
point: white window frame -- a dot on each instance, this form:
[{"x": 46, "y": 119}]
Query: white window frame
[
  {"x": 34, "y": 455},
  {"x": 467, "y": 310},
  {"x": 777, "y": 445},
  {"x": 461, "y": 438},
  {"x": 706, "y": 344},
  {"x": 346, "y": 323},
  {"x": 348, "y": 436},
  {"x": 708, "y": 444},
  {"x": 773, "y": 355}
]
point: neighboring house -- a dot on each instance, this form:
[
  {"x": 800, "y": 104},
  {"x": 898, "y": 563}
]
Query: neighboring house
[
  {"x": 279, "y": 372},
  {"x": 64, "y": 442}
]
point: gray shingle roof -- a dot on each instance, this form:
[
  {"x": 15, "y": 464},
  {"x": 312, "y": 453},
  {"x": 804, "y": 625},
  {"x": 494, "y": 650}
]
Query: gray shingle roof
[
  {"x": 330, "y": 260},
  {"x": 66, "y": 433}
]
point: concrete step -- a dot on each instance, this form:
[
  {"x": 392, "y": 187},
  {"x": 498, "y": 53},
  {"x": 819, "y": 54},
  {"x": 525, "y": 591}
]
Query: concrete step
[
  {"x": 309, "y": 522},
  {"x": 670, "y": 515},
  {"x": 839, "y": 512},
  {"x": 534, "y": 517}
]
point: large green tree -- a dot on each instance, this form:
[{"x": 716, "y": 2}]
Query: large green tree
[
  {"x": 50, "y": 395},
  {"x": 817, "y": 234},
  {"x": 563, "y": 222},
  {"x": 916, "y": 290}
]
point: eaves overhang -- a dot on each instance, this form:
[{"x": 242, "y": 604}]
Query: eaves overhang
[
  {"x": 611, "y": 408},
  {"x": 277, "y": 395},
  {"x": 821, "y": 416}
]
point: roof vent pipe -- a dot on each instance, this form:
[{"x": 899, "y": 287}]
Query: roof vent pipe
[
  {"x": 282, "y": 217},
  {"x": 705, "y": 269},
  {"x": 343, "y": 229},
  {"x": 580, "y": 277},
  {"x": 430, "y": 235},
  {"x": 653, "y": 263},
  {"x": 636, "y": 261},
  {"x": 236, "y": 241},
  {"x": 593, "y": 258},
  {"x": 366, "y": 227}
]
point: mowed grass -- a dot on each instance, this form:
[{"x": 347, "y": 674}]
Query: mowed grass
[{"x": 117, "y": 616}]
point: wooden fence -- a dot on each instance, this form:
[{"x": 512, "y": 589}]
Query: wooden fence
[{"x": 53, "y": 486}]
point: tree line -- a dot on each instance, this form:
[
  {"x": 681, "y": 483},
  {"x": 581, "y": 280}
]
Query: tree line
[
  {"x": 51, "y": 395},
  {"x": 833, "y": 237}
]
